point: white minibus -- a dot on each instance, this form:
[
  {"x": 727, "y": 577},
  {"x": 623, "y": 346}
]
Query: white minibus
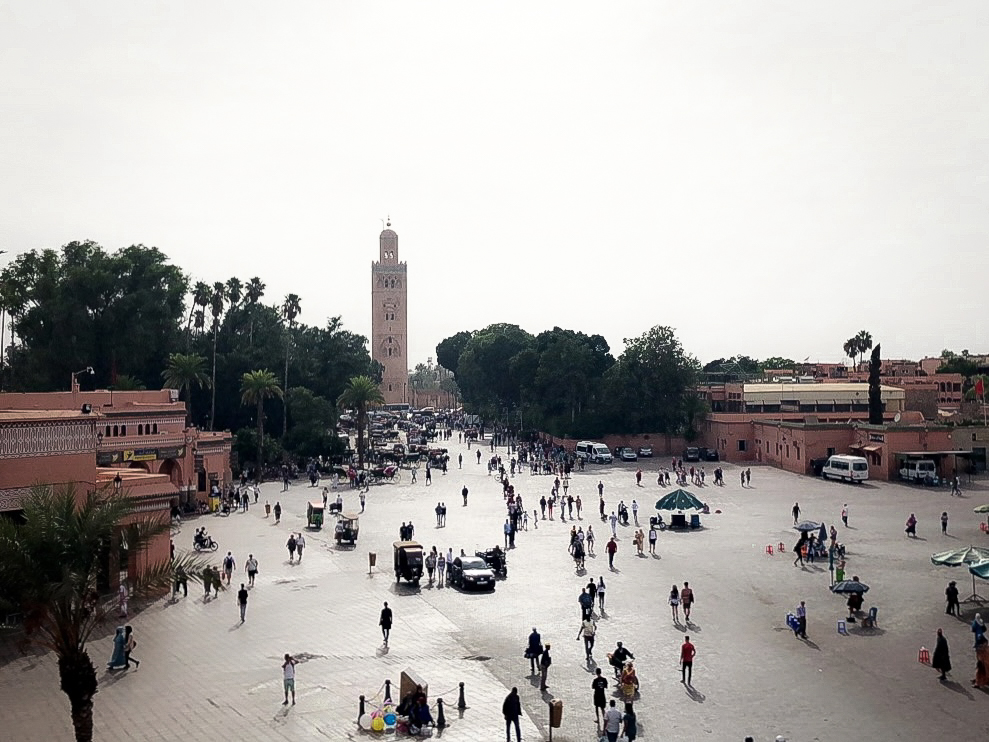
[{"x": 846, "y": 468}]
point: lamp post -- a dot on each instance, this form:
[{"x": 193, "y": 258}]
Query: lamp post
[{"x": 74, "y": 385}]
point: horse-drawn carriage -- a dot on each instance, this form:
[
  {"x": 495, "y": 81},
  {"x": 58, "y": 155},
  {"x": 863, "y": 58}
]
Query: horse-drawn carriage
[
  {"x": 385, "y": 473},
  {"x": 438, "y": 456}
]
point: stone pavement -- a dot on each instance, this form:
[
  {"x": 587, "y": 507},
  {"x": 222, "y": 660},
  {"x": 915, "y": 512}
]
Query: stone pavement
[{"x": 203, "y": 673}]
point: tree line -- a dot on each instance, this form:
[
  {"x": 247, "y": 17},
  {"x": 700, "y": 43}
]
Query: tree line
[
  {"x": 568, "y": 383},
  {"x": 141, "y": 323}
]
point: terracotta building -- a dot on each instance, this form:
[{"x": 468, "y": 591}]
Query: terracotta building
[
  {"x": 389, "y": 318},
  {"x": 136, "y": 442}
]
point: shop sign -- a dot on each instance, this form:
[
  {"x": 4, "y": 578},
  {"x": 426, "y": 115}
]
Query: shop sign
[
  {"x": 877, "y": 438},
  {"x": 141, "y": 454}
]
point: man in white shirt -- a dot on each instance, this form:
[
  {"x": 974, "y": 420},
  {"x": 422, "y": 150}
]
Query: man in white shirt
[
  {"x": 612, "y": 722},
  {"x": 288, "y": 678},
  {"x": 252, "y": 569},
  {"x": 635, "y": 512}
]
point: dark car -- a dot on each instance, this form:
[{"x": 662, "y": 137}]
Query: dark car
[
  {"x": 645, "y": 452},
  {"x": 711, "y": 454},
  {"x": 471, "y": 572},
  {"x": 692, "y": 454}
]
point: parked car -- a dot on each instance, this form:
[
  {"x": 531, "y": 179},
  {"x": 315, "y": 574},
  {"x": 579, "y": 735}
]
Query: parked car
[
  {"x": 471, "y": 572},
  {"x": 709, "y": 454},
  {"x": 692, "y": 454},
  {"x": 645, "y": 452},
  {"x": 628, "y": 454}
]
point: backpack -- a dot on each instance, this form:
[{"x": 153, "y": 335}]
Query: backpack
[{"x": 228, "y": 563}]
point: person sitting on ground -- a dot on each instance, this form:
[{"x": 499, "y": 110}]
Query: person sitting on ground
[{"x": 421, "y": 717}]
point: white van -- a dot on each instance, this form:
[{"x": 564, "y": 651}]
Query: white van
[
  {"x": 596, "y": 453},
  {"x": 918, "y": 470},
  {"x": 846, "y": 468}
]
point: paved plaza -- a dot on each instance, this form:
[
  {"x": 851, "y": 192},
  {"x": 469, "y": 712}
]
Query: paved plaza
[{"x": 204, "y": 675}]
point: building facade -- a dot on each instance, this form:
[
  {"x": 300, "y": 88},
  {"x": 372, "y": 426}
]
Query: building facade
[{"x": 389, "y": 318}]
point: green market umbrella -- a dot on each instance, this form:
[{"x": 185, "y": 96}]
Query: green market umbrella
[
  {"x": 980, "y": 570},
  {"x": 981, "y": 509},
  {"x": 679, "y": 500},
  {"x": 970, "y": 555}
]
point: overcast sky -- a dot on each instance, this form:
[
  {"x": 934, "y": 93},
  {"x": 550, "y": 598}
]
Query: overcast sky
[{"x": 766, "y": 177}]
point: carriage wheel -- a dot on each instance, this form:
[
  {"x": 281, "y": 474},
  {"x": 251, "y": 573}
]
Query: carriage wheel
[{"x": 396, "y": 477}]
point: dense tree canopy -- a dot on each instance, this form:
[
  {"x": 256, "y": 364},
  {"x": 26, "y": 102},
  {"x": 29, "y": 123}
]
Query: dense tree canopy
[
  {"x": 139, "y": 321},
  {"x": 567, "y": 383}
]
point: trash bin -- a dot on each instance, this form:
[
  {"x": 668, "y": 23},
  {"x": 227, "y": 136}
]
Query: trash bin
[
  {"x": 555, "y": 713},
  {"x": 372, "y": 559},
  {"x": 695, "y": 520}
]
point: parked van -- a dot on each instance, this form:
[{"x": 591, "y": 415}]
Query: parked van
[
  {"x": 596, "y": 453},
  {"x": 918, "y": 470},
  {"x": 846, "y": 468}
]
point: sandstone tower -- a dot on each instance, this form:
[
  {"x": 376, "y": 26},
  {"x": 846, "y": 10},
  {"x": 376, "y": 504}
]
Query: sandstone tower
[{"x": 389, "y": 318}]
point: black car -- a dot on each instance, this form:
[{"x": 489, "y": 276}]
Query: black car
[
  {"x": 709, "y": 454},
  {"x": 471, "y": 572},
  {"x": 645, "y": 452},
  {"x": 692, "y": 454}
]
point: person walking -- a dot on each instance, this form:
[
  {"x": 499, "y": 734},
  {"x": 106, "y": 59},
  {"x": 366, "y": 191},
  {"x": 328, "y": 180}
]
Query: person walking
[
  {"x": 599, "y": 685},
  {"x": 586, "y": 603},
  {"x": 601, "y": 589},
  {"x": 512, "y": 710},
  {"x": 181, "y": 581},
  {"x": 580, "y": 504},
  {"x": 440, "y": 569},
  {"x": 635, "y": 512},
  {"x": 613, "y": 519},
  {"x": 251, "y": 567},
  {"x": 291, "y": 544},
  {"x": 951, "y": 595},
  {"x": 941, "y": 660},
  {"x": 687, "y": 654},
  {"x": 612, "y": 721},
  {"x": 944, "y": 523},
  {"x": 534, "y": 650},
  {"x": 288, "y": 678},
  {"x": 464, "y": 493},
  {"x": 629, "y": 723},
  {"x": 801, "y": 630},
  {"x": 844, "y": 514},
  {"x": 687, "y": 599},
  {"x": 385, "y": 622},
  {"x": 122, "y": 595},
  {"x": 674, "y": 601},
  {"x": 638, "y": 477},
  {"x": 612, "y": 549},
  {"x": 796, "y": 512},
  {"x": 129, "y": 644},
  {"x": 300, "y": 544},
  {"x": 911, "y": 529},
  {"x": 748, "y": 477},
  {"x": 278, "y": 512},
  {"x": 229, "y": 564},
  {"x": 429, "y": 475},
  {"x": 590, "y": 540},
  {"x": 431, "y": 564},
  {"x": 507, "y": 528},
  {"x": 242, "y": 601},
  {"x": 742, "y": 477},
  {"x": 544, "y": 662},
  {"x": 653, "y": 535},
  {"x": 587, "y": 630},
  {"x": 460, "y": 461}
]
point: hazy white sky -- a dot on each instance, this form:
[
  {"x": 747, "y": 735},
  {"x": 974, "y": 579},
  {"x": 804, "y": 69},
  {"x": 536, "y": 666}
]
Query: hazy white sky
[{"x": 766, "y": 177}]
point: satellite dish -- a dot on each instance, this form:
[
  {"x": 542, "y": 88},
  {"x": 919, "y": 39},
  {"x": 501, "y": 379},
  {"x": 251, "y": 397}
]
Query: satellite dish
[{"x": 896, "y": 417}]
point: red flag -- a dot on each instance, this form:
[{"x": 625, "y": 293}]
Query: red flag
[{"x": 980, "y": 389}]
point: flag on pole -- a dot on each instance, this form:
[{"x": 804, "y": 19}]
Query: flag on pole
[{"x": 980, "y": 389}]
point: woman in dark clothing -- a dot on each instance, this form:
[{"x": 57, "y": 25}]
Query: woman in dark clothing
[
  {"x": 512, "y": 709},
  {"x": 941, "y": 660},
  {"x": 630, "y": 723}
]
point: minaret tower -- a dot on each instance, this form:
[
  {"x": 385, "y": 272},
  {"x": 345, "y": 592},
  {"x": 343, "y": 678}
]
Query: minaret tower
[{"x": 389, "y": 318}]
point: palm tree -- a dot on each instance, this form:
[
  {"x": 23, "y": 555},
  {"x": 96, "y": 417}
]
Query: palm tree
[
  {"x": 291, "y": 309},
  {"x": 184, "y": 371},
  {"x": 216, "y": 309},
  {"x": 51, "y": 565},
  {"x": 128, "y": 383},
  {"x": 255, "y": 388},
  {"x": 864, "y": 342},
  {"x": 360, "y": 393},
  {"x": 200, "y": 298},
  {"x": 235, "y": 291},
  {"x": 253, "y": 292},
  {"x": 851, "y": 348}
]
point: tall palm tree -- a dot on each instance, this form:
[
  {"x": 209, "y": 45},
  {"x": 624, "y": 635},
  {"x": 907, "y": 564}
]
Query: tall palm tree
[
  {"x": 360, "y": 393},
  {"x": 235, "y": 291},
  {"x": 864, "y": 342},
  {"x": 200, "y": 298},
  {"x": 216, "y": 301},
  {"x": 255, "y": 388},
  {"x": 253, "y": 293},
  {"x": 51, "y": 566},
  {"x": 851, "y": 348},
  {"x": 182, "y": 373},
  {"x": 291, "y": 308}
]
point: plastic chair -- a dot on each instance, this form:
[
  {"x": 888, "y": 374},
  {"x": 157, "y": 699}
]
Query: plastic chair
[{"x": 870, "y": 621}]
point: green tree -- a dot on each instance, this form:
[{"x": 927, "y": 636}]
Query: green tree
[
  {"x": 851, "y": 348},
  {"x": 255, "y": 388},
  {"x": 127, "y": 383},
  {"x": 253, "y": 294},
  {"x": 650, "y": 383},
  {"x": 314, "y": 419},
  {"x": 485, "y": 370},
  {"x": 291, "y": 309},
  {"x": 184, "y": 371},
  {"x": 875, "y": 388},
  {"x": 51, "y": 566},
  {"x": 776, "y": 363},
  {"x": 200, "y": 300},
  {"x": 360, "y": 394},
  {"x": 863, "y": 341},
  {"x": 216, "y": 302},
  {"x": 448, "y": 351}
]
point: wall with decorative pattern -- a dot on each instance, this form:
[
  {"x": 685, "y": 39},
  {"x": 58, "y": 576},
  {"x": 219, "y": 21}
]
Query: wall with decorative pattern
[{"x": 32, "y": 439}]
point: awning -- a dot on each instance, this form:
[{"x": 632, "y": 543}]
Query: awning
[{"x": 872, "y": 449}]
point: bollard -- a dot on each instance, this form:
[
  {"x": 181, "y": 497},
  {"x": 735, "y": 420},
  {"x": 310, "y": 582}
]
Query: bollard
[
  {"x": 387, "y": 690},
  {"x": 782, "y": 548},
  {"x": 769, "y": 550},
  {"x": 440, "y": 716},
  {"x": 461, "y": 702},
  {"x": 362, "y": 710}
]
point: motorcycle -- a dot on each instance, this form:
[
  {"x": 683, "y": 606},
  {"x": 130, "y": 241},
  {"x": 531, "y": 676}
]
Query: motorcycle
[{"x": 207, "y": 544}]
